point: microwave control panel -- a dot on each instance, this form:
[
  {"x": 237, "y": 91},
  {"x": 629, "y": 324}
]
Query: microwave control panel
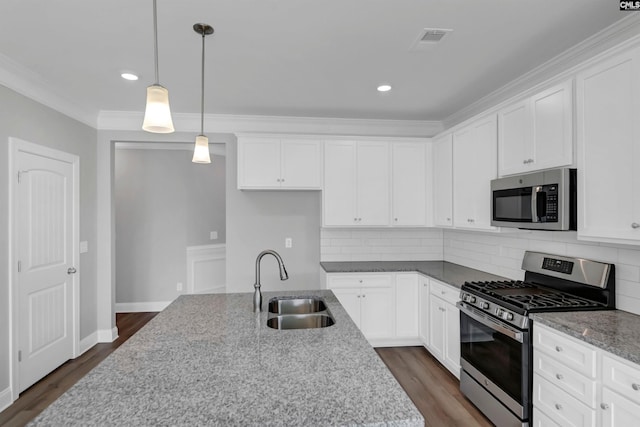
[{"x": 550, "y": 212}]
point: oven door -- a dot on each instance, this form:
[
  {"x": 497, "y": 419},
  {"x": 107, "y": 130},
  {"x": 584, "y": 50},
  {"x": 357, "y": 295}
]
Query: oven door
[{"x": 497, "y": 358}]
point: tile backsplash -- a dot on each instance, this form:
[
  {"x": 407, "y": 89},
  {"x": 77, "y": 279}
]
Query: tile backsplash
[
  {"x": 382, "y": 244},
  {"x": 502, "y": 253},
  {"x": 497, "y": 253}
]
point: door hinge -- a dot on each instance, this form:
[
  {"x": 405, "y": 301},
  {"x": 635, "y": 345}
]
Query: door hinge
[
  {"x": 19, "y": 266},
  {"x": 19, "y": 355}
]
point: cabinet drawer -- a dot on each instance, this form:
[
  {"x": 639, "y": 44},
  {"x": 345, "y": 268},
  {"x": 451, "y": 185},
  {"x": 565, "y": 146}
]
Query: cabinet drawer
[
  {"x": 446, "y": 292},
  {"x": 559, "y": 406},
  {"x": 541, "y": 420},
  {"x": 578, "y": 385},
  {"x": 581, "y": 357},
  {"x": 358, "y": 280},
  {"x": 621, "y": 377}
]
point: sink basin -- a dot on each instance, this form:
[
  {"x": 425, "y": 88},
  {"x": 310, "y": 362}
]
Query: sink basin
[
  {"x": 296, "y": 305},
  {"x": 300, "y": 321}
]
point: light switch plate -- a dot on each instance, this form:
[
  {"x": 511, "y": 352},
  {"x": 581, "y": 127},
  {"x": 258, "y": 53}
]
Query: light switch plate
[
  {"x": 213, "y": 235},
  {"x": 84, "y": 247},
  {"x": 288, "y": 242}
]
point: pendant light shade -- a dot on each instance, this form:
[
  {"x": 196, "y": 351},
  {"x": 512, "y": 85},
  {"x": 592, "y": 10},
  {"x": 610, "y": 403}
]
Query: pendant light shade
[
  {"x": 201, "y": 150},
  {"x": 157, "y": 114}
]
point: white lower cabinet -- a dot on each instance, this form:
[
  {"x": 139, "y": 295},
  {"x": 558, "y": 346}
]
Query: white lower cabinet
[
  {"x": 577, "y": 384},
  {"x": 444, "y": 325},
  {"x": 424, "y": 309},
  {"x": 369, "y": 300}
]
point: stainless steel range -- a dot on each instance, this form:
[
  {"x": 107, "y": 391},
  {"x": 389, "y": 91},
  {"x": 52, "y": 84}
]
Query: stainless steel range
[{"x": 495, "y": 329}]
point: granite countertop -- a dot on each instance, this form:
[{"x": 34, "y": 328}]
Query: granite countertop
[
  {"x": 447, "y": 272},
  {"x": 615, "y": 331},
  {"x": 209, "y": 360}
]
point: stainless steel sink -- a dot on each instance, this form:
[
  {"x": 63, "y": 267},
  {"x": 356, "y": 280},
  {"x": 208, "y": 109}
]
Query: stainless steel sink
[
  {"x": 299, "y": 312},
  {"x": 296, "y": 305},
  {"x": 300, "y": 321}
]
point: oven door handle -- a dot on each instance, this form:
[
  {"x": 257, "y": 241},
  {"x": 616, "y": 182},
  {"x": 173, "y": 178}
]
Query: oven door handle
[{"x": 498, "y": 327}]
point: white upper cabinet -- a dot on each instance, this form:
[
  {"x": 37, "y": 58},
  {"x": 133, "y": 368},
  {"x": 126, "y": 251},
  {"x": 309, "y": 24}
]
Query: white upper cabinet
[
  {"x": 608, "y": 144},
  {"x": 537, "y": 132},
  {"x": 356, "y": 183},
  {"x": 409, "y": 183},
  {"x": 279, "y": 163},
  {"x": 443, "y": 181},
  {"x": 474, "y": 166}
]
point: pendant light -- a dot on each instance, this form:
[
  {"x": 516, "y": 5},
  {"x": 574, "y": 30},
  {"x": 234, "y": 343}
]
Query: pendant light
[
  {"x": 157, "y": 115},
  {"x": 201, "y": 150}
]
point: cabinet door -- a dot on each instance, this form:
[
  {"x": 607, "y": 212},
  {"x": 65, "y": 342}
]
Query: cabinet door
[
  {"x": 377, "y": 312},
  {"x": 609, "y": 150},
  {"x": 301, "y": 160},
  {"x": 617, "y": 411},
  {"x": 515, "y": 137},
  {"x": 258, "y": 163},
  {"x": 373, "y": 183},
  {"x": 474, "y": 157},
  {"x": 339, "y": 195},
  {"x": 437, "y": 320},
  {"x": 350, "y": 300},
  {"x": 424, "y": 309},
  {"x": 409, "y": 184},
  {"x": 552, "y": 142},
  {"x": 443, "y": 181},
  {"x": 407, "y": 305},
  {"x": 452, "y": 339}
]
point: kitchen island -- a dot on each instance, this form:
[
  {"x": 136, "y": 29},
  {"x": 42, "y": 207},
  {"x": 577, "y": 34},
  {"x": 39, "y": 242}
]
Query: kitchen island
[{"x": 209, "y": 360}]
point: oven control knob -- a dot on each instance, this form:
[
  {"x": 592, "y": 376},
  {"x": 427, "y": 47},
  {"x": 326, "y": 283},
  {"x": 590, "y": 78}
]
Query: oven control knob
[
  {"x": 472, "y": 299},
  {"x": 485, "y": 305},
  {"x": 509, "y": 316}
]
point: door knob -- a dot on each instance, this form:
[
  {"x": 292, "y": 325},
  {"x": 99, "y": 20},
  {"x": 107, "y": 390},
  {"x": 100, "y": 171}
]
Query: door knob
[{"x": 71, "y": 270}]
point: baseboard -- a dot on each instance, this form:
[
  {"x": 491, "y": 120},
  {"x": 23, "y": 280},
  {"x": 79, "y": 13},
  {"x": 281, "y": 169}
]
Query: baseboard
[
  {"x": 5, "y": 399},
  {"x": 395, "y": 342},
  {"x": 107, "y": 335},
  {"x": 138, "y": 307},
  {"x": 87, "y": 342}
]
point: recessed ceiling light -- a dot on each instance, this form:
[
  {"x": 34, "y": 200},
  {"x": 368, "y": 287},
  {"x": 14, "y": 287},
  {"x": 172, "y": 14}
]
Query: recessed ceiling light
[
  {"x": 129, "y": 76},
  {"x": 384, "y": 88}
]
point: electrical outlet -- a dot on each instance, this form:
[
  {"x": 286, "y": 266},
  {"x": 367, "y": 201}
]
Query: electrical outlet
[
  {"x": 84, "y": 247},
  {"x": 179, "y": 287},
  {"x": 288, "y": 242},
  {"x": 213, "y": 235}
]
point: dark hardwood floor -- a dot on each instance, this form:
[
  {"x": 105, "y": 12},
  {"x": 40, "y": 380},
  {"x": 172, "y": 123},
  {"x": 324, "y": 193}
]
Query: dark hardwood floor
[
  {"x": 432, "y": 388},
  {"x": 36, "y": 398}
]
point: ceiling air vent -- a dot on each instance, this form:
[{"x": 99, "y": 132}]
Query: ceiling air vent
[{"x": 428, "y": 37}]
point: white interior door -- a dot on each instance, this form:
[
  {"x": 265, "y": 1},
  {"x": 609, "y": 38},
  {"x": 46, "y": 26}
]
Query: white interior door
[{"x": 44, "y": 245}]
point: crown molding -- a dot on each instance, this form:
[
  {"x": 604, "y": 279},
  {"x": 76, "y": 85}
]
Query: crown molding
[
  {"x": 615, "y": 38},
  {"x": 214, "y": 148},
  {"x": 226, "y": 123},
  {"x": 24, "y": 81}
]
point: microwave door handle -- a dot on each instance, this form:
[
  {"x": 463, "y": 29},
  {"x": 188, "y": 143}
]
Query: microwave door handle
[{"x": 534, "y": 203}]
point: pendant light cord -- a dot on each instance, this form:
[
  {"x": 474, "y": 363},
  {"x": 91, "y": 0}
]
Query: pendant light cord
[
  {"x": 202, "y": 94},
  {"x": 155, "y": 39}
]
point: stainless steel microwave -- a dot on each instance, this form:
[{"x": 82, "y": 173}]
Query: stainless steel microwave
[{"x": 544, "y": 200}]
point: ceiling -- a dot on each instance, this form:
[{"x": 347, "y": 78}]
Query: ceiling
[{"x": 304, "y": 58}]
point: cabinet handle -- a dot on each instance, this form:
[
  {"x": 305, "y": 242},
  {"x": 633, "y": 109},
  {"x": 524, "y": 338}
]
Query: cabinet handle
[
  {"x": 360, "y": 280},
  {"x": 558, "y": 348},
  {"x": 635, "y": 225},
  {"x": 395, "y": 219},
  {"x": 363, "y": 296},
  {"x": 635, "y": 386},
  {"x": 558, "y": 406},
  {"x": 524, "y": 162},
  {"x": 448, "y": 219},
  {"x": 355, "y": 219},
  {"x": 559, "y": 376},
  {"x": 604, "y": 406}
]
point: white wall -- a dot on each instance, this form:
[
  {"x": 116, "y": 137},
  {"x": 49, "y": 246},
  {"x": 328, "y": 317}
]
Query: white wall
[
  {"x": 164, "y": 203},
  {"x": 382, "y": 244},
  {"x": 28, "y": 120},
  {"x": 502, "y": 254},
  {"x": 258, "y": 220}
]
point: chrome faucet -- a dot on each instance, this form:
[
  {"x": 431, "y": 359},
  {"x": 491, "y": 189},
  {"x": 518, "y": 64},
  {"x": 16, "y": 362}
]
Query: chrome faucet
[{"x": 257, "y": 295}]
